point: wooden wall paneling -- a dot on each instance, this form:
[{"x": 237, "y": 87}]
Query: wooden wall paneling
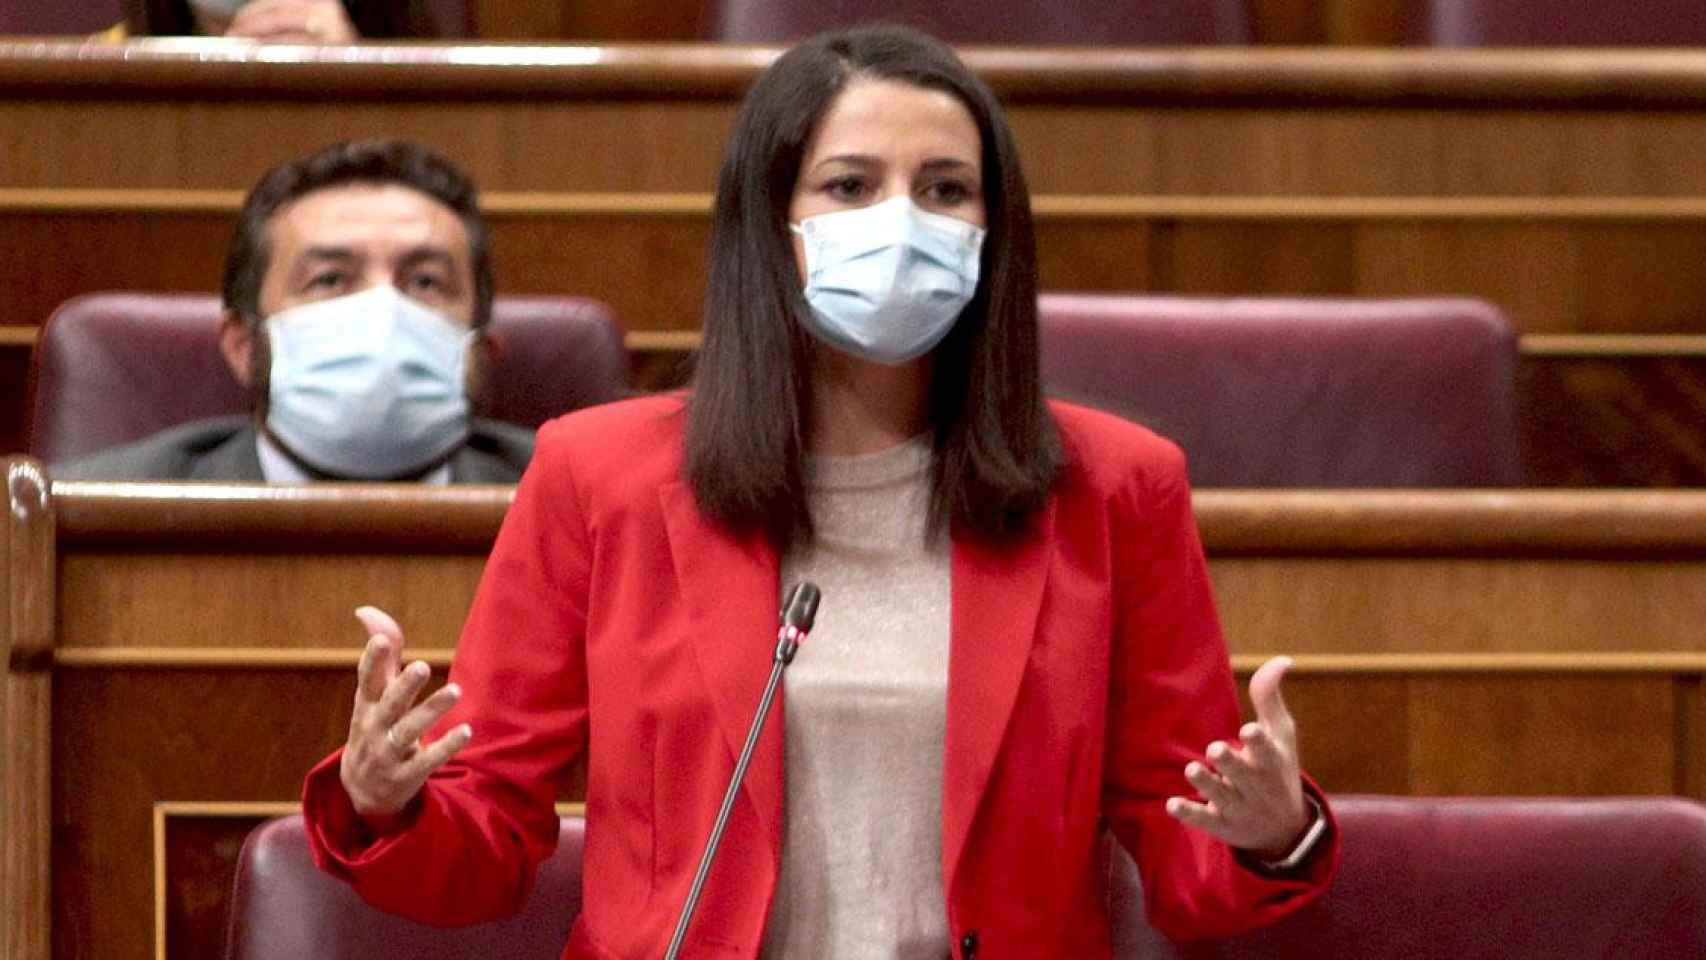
[
  {"x": 1344, "y": 23},
  {"x": 1354, "y": 733},
  {"x": 650, "y": 269},
  {"x": 132, "y": 737},
  {"x": 110, "y": 600},
  {"x": 1290, "y": 23},
  {"x": 1530, "y": 736},
  {"x": 1527, "y": 733},
  {"x": 1613, "y": 421},
  {"x": 70, "y": 253},
  {"x": 128, "y": 738},
  {"x": 14, "y": 376},
  {"x": 522, "y": 19},
  {"x": 1095, "y": 254},
  {"x": 1231, "y": 257},
  {"x": 1366, "y": 23},
  {"x": 1346, "y": 151},
  {"x": 1393, "y": 605},
  {"x": 26, "y": 640},
  {"x": 615, "y": 144},
  {"x": 198, "y": 861},
  {"x": 1691, "y": 737}
]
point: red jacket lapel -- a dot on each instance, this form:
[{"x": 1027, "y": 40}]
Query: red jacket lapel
[
  {"x": 997, "y": 594},
  {"x": 732, "y": 592}
]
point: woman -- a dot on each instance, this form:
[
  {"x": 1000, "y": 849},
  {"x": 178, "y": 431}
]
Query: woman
[{"x": 1017, "y": 643}]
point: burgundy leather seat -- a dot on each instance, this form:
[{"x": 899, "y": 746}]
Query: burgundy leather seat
[
  {"x": 1540, "y": 23},
  {"x": 1514, "y": 878},
  {"x": 114, "y": 367},
  {"x": 1152, "y": 23},
  {"x": 282, "y": 906},
  {"x": 1280, "y": 392}
]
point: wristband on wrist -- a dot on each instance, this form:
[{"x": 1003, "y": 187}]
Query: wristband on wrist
[{"x": 1306, "y": 843}]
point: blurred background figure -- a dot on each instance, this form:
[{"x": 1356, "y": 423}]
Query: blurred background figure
[{"x": 282, "y": 21}]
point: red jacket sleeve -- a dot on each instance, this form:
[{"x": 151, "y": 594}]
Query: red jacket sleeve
[
  {"x": 1172, "y": 693},
  {"x": 468, "y": 847}
]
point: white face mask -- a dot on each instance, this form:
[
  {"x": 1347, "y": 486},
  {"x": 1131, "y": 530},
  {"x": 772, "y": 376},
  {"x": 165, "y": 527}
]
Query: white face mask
[
  {"x": 369, "y": 385},
  {"x": 886, "y": 282}
]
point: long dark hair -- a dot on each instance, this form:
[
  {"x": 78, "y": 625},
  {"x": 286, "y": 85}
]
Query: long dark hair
[{"x": 997, "y": 452}]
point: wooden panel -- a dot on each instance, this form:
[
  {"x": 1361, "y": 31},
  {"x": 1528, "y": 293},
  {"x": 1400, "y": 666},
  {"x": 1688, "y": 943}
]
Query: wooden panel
[
  {"x": 200, "y": 864},
  {"x": 611, "y": 146},
  {"x": 1613, "y": 421},
  {"x": 125, "y": 740},
  {"x": 1530, "y": 736},
  {"x": 1691, "y": 737},
  {"x": 14, "y": 375},
  {"x": 26, "y": 641},
  {"x": 119, "y": 600},
  {"x": 524, "y": 19},
  {"x": 1319, "y": 605}
]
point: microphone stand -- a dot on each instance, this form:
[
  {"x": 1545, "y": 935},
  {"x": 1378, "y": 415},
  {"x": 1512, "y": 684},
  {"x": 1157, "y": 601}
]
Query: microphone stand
[{"x": 797, "y": 615}]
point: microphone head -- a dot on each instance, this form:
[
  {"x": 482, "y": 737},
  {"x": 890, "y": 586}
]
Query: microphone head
[{"x": 800, "y": 609}]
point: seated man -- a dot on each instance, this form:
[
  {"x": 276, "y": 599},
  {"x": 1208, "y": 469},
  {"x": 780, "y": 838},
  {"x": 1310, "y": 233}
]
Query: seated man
[{"x": 357, "y": 290}]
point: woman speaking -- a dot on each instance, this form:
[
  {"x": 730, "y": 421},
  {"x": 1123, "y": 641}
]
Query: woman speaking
[{"x": 1017, "y": 649}]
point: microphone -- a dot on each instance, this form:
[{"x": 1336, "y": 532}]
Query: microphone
[{"x": 799, "y": 611}]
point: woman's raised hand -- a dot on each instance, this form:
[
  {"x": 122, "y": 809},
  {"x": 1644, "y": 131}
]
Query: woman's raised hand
[
  {"x": 1252, "y": 795},
  {"x": 385, "y": 763}
]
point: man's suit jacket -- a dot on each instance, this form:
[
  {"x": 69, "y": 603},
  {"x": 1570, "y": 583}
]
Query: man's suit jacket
[
  {"x": 223, "y": 449},
  {"x": 616, "y": 624}
]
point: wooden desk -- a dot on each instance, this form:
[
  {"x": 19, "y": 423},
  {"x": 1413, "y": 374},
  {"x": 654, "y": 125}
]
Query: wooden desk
[
  {"x": 179, "y": 655},
  {"x": 1567, "y": 187}
]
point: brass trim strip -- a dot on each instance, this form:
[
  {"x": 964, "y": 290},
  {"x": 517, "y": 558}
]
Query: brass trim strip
[
  {"x": 1462, "y": 663},
  {"x": 239, "y": 658},
  {"x": 1539, "y": 345},
  {"x": 1048, "y": 207},
  {"x": 1614, "y": 345},
  {"x": 224, "y": 658}
]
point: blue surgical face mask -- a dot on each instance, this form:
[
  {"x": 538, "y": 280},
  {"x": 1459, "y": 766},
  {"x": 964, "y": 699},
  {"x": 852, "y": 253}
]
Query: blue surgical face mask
[
  {"x": 886, "y": 282},
  {"x": 368, "y": 385}
]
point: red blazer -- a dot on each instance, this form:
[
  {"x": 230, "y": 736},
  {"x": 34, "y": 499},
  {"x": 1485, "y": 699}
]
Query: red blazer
[{"x": 1086, "y": 667}]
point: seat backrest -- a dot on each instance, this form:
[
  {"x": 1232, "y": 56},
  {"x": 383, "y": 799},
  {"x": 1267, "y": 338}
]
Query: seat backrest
[
  {"x": 1281, "y": 392},
  {"x": 285, "y": 908},
  {"x": 1507, "y": 877},
  {"x": 110, "y": 368},
  {"x": 1152, "y": 23},
  {"x": 1539, "y": 23},
  {"x": 1519, "y": 878}
]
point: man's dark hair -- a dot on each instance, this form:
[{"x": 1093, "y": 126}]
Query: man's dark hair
[
  {"x": 997, "y": 450},
  {"x": 366, "y": 161}
]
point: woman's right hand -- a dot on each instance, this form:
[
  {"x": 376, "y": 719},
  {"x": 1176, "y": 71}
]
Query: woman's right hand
[{"x": 384, "y": 762}]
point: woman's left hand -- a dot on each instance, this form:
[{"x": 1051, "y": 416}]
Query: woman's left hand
[{"x": 1252, "y": 795}]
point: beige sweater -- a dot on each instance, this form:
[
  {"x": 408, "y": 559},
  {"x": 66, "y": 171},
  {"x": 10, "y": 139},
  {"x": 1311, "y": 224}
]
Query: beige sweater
[{"x": 865, "y": 710}]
